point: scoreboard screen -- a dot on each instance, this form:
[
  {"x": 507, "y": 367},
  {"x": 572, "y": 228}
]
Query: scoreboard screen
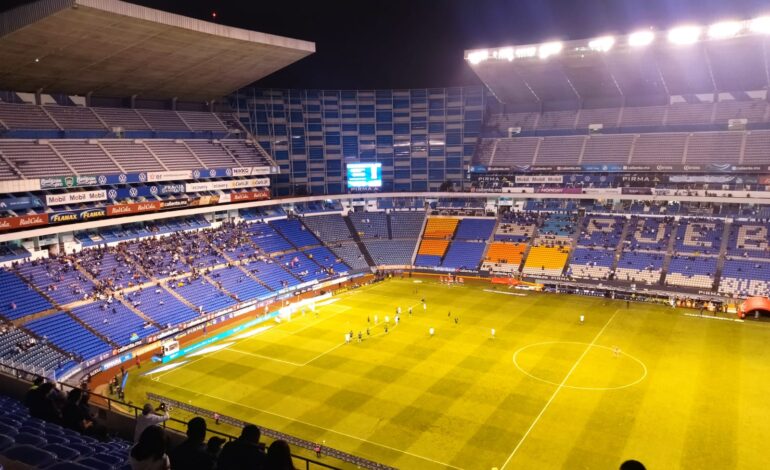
[{"x": 364, "y": 175}]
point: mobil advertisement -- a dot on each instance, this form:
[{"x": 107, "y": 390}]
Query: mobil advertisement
[
  {"x": 75, "y": 197},
  {"x": 539, "y": 179},
  {"x": 24, "y": 221},
  {"x": 64, "y": 217}
]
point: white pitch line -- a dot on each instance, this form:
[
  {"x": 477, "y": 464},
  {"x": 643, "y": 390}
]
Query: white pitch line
[
  {"x": 556, "y": 392},
  {"x": 350, "y": 436},
  {"x": 261, "y": 356}
]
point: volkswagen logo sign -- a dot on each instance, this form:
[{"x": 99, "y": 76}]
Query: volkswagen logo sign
[
  {"x": 142, "y": 177},
  {"x": 153, "y": 190},
  {"x": 212, "y": 173},
  {"x": 196, "y": 174},
  {"x": 113, "y": 194},
  {"x": 229, "y": 172},
  {"x": 133, "y": 192},
  {"x": 122, "y": 178},
  {"x": 102, "y": 179}
]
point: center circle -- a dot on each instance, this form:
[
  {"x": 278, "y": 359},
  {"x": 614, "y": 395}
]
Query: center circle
[{"x": 615, "y": 365}]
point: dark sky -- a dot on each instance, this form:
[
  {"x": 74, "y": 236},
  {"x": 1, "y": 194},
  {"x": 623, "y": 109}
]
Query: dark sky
[{"x": 364, "y": 44}]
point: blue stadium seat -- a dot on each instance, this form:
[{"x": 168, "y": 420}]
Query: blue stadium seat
[{"x": 30, "y": 455}]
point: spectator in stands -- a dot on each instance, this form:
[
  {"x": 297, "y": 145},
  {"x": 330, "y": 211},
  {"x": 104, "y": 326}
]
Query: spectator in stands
[
  {"x": 279, "y": 456},
  {"x": 149, "y": 417},
  {"x": 244, "y": 453},
  {"x": 214, "y": 446},
  {"x": 632, "y": 465},
  {"x": 42, "y": 404},
  {"x": 149, "y": 453},
  {"x": 191, "y": 454}
]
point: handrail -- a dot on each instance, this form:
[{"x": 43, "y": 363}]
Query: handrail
[
  {"x": 295, "y": 441},
  {"x": 101, "y": 400}
]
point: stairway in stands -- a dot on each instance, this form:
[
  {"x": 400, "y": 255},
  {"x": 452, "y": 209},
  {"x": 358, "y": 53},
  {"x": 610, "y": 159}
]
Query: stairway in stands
[
  {"x": 357, "y": 239},
  {"x": 722, "y": 255}
]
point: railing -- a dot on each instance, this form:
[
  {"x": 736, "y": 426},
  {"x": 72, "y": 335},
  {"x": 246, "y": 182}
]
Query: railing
[
  {"x": 124, "y": 408},
  {"x": 359, "y": 462}
]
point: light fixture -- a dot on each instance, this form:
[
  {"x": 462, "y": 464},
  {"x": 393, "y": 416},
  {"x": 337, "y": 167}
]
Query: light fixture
[
  {"x": 641, "y": 38},
  {"x": 506, "y": 53},
  {"x": 760, "y": 25},
  {"x": 602, "y": 44},
  {"x": 524, "y": 52},
  {"x": 548, "y": 49},
  {"x": 684, "y": 35},
  {"x": 724, "y": 29},
  {"x": 478, "y": 56}
]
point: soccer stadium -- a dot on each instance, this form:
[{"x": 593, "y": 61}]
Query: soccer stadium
[{"x": 566, "y": 265}]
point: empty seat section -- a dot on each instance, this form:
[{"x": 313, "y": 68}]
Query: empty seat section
[
  {"x": 714, "y": 147},
  {"x": 608, "y": 117},
  {"x": 17, "y": 299},
  {"x": 648, "y": 116},
  {"x": 475, "y": 229},
  {"x": 433, "y": 247},
  {"x": 69, "y": 335},
  {"x": 692, "y": 271},
  {"x": 294, "y": 231},
  {"x": 757, "y": 148},
  {"x": 351, "y": 254},
  {"x": 114, "y": 321},
  {"x": 199, "y": 121},
  {"x": 212, "y": 154},
  {"x": 327, "y": 260},
  {"x": 162, "y": 307},
  {"x": 406, "y": 224},
  {"x": 514, "y": 151},
  {"x": 391, "y": 252},
  {"x": 329, "y": 228},
  {"x": 32, "y": 159},
  {"x": 688, "y": 114},
  {"x": 745, "y": 278},
  {"x": 237, "y": 282},
  {"x": 659, "y": 148},
  {"x": 464, "y": 255},
  {"x": 162, "y": 120},
  {"x": 440, "y": 227},
  {"x": 86, "y": 158},
  {"x": 370, "y": 224},
  {"x": 591, "y": 263},
  {"x": 563, "y": 150},
  {"x": 557, "y": 120},
  {"x": 640, "y": 267},
  {"x": 25, "y": 117},
  {"x": 132, "y": 156},
  {"x": 75, "y": 118},
  {"x": 174, "y": 154},
  {"x": 128, "y": 119},
  {"x": 546, "y": 260},
  {"x": 504, "y": 257},
  {"x": 202, "y": 294},
  {"x": 272, "y": 274},
  {"x": 753, "y": 111},
  {"x": 608, "y": 148},
  {"x": 267, "y": 238}
]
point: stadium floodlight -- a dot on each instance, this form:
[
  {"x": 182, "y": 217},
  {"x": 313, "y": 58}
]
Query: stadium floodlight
[
  {"x": 641, "y": 38},
  {"x": 760, "y": 25},
  {"x": 683, "y": 35},
  {"x": 524, "y": 52},
  {"x": 548, "y": 49},
  {"x": 478, "y": 56},
  {"x": 506, "y": 53},
  {"x": 602, "y": 44},
  {"x": 725, "y": 29}
]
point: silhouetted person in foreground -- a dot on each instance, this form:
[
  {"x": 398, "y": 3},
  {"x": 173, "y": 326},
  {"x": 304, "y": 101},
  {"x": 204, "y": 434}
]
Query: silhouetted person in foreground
[
  {"x": 632, "y": 465},
  {"x": 191, "y": 454},
  {"x": 279, "y": 456},
  {"x": 244, "y": 453}
]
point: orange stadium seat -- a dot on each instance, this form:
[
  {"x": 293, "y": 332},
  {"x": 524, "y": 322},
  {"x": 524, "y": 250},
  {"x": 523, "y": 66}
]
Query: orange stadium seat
[
  {"x": 440, "y": 227},
  {"x": 433, "y": 247},
  {"x": 511, "y": 253}
]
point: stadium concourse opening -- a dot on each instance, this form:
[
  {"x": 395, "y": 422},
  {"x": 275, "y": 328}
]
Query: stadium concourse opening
[{"x": 557, "y": 268}]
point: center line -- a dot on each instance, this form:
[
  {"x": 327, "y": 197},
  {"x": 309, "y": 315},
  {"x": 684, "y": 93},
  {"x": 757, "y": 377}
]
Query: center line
[{"x": 556, "y": 392}]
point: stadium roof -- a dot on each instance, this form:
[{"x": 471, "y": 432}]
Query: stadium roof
[
  {"x": 117, "y": 49},
  {"x": 724, "y": 57}
]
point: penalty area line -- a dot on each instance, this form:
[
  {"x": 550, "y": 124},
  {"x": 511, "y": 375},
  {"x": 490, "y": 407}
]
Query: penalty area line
[
  {"x": 350, "y": 436},
  {"x": 556, "y": 392}
]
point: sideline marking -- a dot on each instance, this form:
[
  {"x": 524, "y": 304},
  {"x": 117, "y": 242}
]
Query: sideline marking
[
  {"x": 574, "y": 387},
  {"x": 517, "y": 294},
  {"x": 556, "y": 392},
  {"x": 350, "y": 436},
  {"x": 711, "y": 317}
]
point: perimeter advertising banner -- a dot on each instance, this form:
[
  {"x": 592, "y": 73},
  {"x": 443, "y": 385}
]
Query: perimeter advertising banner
[
  {"x": 616, "y": 168},
  {"x": 250, "y": 196},
  {"x": 77, "y": 216},
  {"x": 135, "y": 208},
  {"x": 24, "y": 221},
  {"x": 222, "y": 185},
  {"x": 19, "y": 203},
  {"x": 75, "y": 197}
]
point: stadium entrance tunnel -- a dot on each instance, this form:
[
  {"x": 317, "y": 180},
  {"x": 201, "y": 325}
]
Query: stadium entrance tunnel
[
  {"x": 753, "y": 305},
  {"x": 598, "y": 367}
]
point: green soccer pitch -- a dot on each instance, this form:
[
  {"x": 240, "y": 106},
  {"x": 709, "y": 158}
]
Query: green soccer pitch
[{"x": 642, "y": 381}]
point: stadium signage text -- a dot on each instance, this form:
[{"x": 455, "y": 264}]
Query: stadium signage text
[
  {"x": 18, "y": 203},
  {"x": 77, "y": 216},
  {"x": 10, "y": 223},
  {"x": 250, "y": 196},
  {"x": 232, "y": 184},
  {"x": 615, "y": 168},
  {"x": 75, "y": 197},
  {"x": 68, "y": 182},
  {"x": 251, "y": 171},
  {"x": 540, "y": 179},
  {"x": 134, "y": 208}
]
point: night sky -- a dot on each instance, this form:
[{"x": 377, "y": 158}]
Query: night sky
[{"x": 364, "y": 44}]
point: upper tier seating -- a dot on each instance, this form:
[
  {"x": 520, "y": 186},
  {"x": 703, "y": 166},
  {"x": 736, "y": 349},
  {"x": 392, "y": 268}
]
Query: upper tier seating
[
  {"x": 126, "y": 118},
  {"x": 608, "y": 148},
  {"x": 328, "y": 228},
  {"x": 514, "y": 151},
  {"x": 85, "y": 158},
  {"x": 370, "y": 224},
  {"x": 212, "y": 154},
  {"x": 406, "y": 224},
  {"x": 161, "y": 120},
  {"x": 757, "y": 147},
  {"x": 198, "y": 121},
  {"x": 32, "y": 159},
  {"x": 546, "y": 260},
  {"x": 560, "y": 150},
  {"x": 25, "y": 117},
  {"x": 659, "y": 148},
  {"x": 714, "y": 147},
  {"x": 75, "y": 118},
  {"x": 132, "y": 156}
]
